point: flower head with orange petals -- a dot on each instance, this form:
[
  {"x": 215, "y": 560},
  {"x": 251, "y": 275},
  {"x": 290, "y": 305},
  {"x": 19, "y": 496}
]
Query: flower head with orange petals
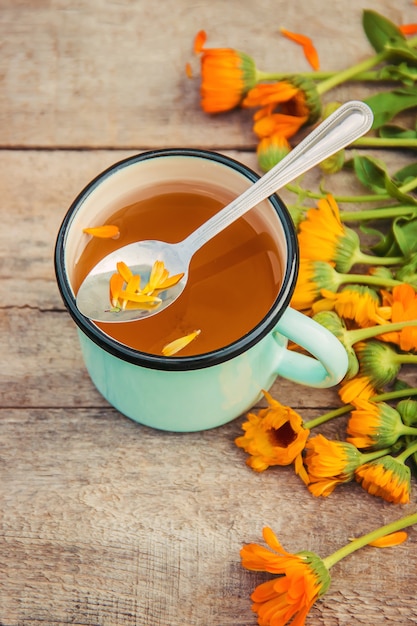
[
  {"x": 403, "y": 301},
  {"x": 303, "y": 578},
  {"x": 329, "y": 463},
  {"x": 387, "y": 477},
  {"x": 275, "y": 436},
  {"x": 226, "y": 76}
]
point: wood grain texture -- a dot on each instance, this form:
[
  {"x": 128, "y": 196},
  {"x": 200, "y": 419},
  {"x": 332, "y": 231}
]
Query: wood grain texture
[{"x": 105, "y": 522}]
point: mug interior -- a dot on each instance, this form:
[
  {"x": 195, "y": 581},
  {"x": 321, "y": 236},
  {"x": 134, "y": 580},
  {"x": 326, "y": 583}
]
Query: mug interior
[{"x": 122, "y": 184}]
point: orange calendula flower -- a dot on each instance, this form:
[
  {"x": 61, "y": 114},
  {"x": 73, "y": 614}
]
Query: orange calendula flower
[
  {"x": 323, "y": 237},
  {"x": 303, "y": 578},
  {"x": 309, "y": 49},
  {"x": 227, "y": 75},
  {"x": 403, "y": 303},
  {"x": 295, "y": 96},
  {"x": 379, "y": 365},
  {"x": 374, "y": 425},
  {"x": 330, "y": 463},
  {"x": 107, "y": 231},
  {"x": 267, "y": 94},
  {"x": 179, "y": 344},
  {"x": 313, "y": 276},
  {"x": 358, "y": 303},
  {"x": 275, "y": 436},
  {"x": 387, "y": 478},
  {"x": 278, "y": 124}
]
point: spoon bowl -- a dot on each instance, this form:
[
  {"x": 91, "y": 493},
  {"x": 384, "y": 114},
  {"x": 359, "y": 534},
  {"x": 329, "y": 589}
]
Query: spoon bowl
[{"x": 349, "y": 122}]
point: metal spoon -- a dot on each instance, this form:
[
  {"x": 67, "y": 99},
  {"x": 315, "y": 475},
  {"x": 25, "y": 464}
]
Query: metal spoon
[{"x": 349, "y": 122}]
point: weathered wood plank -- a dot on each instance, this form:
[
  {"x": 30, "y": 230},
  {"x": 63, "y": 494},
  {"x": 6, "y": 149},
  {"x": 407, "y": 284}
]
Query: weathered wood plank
[
  {"x": 100, "y": 73},
  {"x": 95, "y": 533}
]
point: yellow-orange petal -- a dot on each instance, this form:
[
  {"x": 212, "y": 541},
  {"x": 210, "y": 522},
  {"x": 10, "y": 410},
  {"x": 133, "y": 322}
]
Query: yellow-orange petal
[
  {"x": 188, "y": 70},
  {"x": 158, "y": 273},
  {"x": 124, "y": 271},
  {"x": 179, "y": 344},
  {"x": 309, "y": 49},
  {"x": 139, "y": 298},
  {"x": 116, "y": 286},
  {"x": 131, "y": 288},
  {"x": 408, "y": 29},
  {"x": 199, "y": 41},
  {"x": 170, "y": 281},
  {"x": 394, "y": 539},
  {"x": 108, "y": 231}
]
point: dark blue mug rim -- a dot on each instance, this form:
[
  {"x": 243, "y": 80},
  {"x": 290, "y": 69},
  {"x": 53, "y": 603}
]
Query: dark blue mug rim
[{"x": 178, "y": 363}]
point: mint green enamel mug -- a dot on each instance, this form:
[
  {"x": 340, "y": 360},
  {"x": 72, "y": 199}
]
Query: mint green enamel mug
[{"x": 203, "y": 391}]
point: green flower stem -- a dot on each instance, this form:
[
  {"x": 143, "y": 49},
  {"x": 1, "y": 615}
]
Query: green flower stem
[
  {"x": 369, "y": 259},
  {"x": 384, "y": 142},
  {"x": 350, "y": 72},
  {"x": 394, "y": 395},
  {"x": 404, "y": 359},
  {"x": 354, "y": 70},
  {"x": 360, "y": 334},
  {"x": 326, "y": 417},
  {"x": 356, "y": 544},
  {"x": 319, "y": 75},
  {"x": 346, "y": 408},
  {"x": 317, "y": 195},
  {"x": 399, "y": 210},
  {"x": 365, "y": 279},
  {"x": 401, "y": 458}
]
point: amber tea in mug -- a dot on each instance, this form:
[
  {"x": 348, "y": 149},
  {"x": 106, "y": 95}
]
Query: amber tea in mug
[{"x": 233, "y": 280}]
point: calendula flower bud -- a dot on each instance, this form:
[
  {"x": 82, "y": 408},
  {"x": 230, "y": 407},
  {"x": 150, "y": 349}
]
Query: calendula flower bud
[
  {"x": 408, "y": 411},
  {"x": 374, "y": 425},
  {"x": 331, "y": 321},
  {"x": 379, "y": 362},
  {"x": 271, "y": 150},
  {"x": 379, "y": 365},
  {"x": 334, "y": 163}
]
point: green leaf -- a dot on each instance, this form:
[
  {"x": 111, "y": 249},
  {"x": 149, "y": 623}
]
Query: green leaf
[
  {"x": 405, "y": 233},
  {"x": 408, "y": 272},
  {"x": 387, "y": 246},
  {"x": 394, "y": 191},
  {"x": 379, "y": 30},
  {"x": 401, "y": 51},
  {"x": 401, "y": 240},
  {"x": 386, "y": 105},
  {"x": 391, "y": 131},
  {"x": 371, "y": 173},
  {"x": 406, "y": 174},
  {"x": 402, "y": 72}
]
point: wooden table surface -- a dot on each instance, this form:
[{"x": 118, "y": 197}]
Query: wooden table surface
[{"x": 104, "y": 521}]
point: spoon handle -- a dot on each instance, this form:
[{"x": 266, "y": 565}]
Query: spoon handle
[{"x": 349, "y": 122}]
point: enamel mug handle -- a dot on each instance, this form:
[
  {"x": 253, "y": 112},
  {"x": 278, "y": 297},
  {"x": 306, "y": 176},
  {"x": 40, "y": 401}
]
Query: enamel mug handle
[{"x": 331, "y": 361}]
